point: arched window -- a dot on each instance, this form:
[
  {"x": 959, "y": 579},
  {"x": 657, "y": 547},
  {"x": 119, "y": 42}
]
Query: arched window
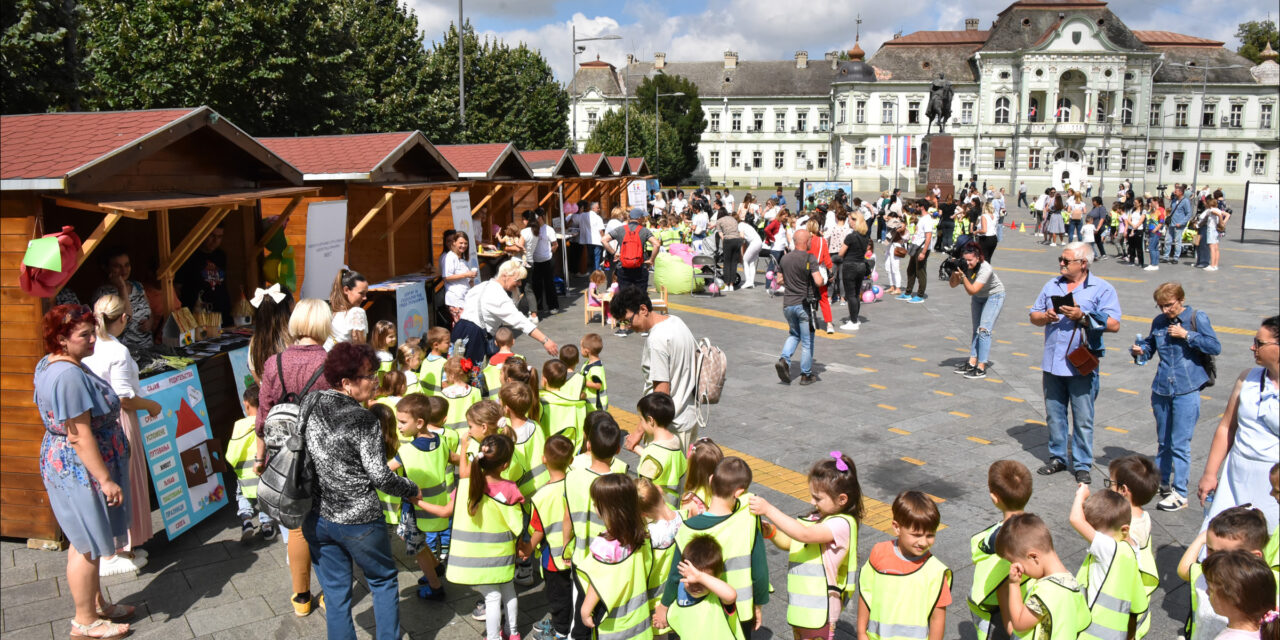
[
  {"x": 1002, "y": 111},
  {"x": 1063, "y": 112},
  {"x": 1126, "y": 111}
]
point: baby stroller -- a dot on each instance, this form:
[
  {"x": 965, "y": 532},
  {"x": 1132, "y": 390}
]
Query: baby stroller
[
  {"x": 706, "y": 266},
  {"x": 771, "y": 268},
  {"x": 955, "y": 257}
]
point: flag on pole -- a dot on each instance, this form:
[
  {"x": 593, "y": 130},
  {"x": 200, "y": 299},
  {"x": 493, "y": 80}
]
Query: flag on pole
[
  {"x": 907, "y": 156},
  {"x": 887, "y": 146}
]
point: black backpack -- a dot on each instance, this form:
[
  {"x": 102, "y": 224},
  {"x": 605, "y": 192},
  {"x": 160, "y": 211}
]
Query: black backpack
[{"x": 285, "y": 487}]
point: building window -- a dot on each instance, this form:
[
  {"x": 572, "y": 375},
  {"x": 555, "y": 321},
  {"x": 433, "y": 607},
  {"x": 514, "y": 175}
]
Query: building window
[
  {"x": 1033, "y": 110},
  {"x": 713, "y": 159},
  {"x": 860, "y": 112},
  {"x": 1206, "y": 159},
  {"x": 886, "y": 112},
  {"x": 780, "y": 121},
  {"x": 1102, "y": 161},
  {"x": 1264, "y": 117},
  {"x": 1155, "y": 114},
  {"x": 735, "y": 157},
  {"x": 1176, "y": 165},
  {"x": 913, "y": 113},
  {"x": 1237, "y": 116},
  {"x": 1063, "y": 112},
  {"x": 1153, "y": 159},
  {"x": 1126, "y": 111},
  {"x": 966, "y": 113},
  {"x": 715, "y": 121},
  {"x": 1103, "y": 108},
  {"x": 859, "y": 157},
  {"x": 592, "y": 119},
  {"x": 1002, "y": 111},
  {"x": 822, "y": 159},
  {"x": 1124, "y": 160},
  {"x": 1180, "y": 114},
  {"x": 757, "y": 121},
  {"x": 802, "y": 121},
  {"x": 1233, "y": 162},
  {"x": 840, "y": 113},
  {"x": 965, "y": 158},
  {"x": 802, "y": 163},
  {"x": 824, "y": 121},
  {"x": 757, "y": 159},
  {"x": 1259, "y": 164},
  {"x": 736, "y": 124},
  {"x": 998, "y": 163},
  {"x": 1033, "y": 160},
  {"x": 1209, "y": 115},
  {"x": 779, "y": 158}
]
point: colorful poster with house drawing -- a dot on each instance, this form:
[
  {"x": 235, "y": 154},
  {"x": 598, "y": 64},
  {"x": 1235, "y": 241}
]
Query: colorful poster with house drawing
[
  {"x": 240, "y": 371},
  {"x": 184, "y": 461}
]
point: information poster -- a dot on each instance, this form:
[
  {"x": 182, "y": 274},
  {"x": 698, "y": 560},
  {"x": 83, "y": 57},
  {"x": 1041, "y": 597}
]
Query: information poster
[
  {"x": 460, "y": 205},
  {"x": 1261, "y": 207},
  {"x": 240, "y": 370},
  {"x": 637, "y": 195},
  {"x": 412, "y": 311},
  {"x": 823, "y": 191},
  {"x": 326, "y": 247},
  {"x": 186, "y": 464}
]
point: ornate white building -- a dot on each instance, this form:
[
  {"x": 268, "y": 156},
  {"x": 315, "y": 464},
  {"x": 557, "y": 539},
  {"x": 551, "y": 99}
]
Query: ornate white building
[{"x": 1053, "y": 88}]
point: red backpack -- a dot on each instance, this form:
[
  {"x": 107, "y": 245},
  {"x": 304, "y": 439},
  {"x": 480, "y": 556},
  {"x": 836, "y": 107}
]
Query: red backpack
[{"x": 631, "y": 253}]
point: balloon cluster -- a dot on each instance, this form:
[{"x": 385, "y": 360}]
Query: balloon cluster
[{"x": 279, "y": 265}]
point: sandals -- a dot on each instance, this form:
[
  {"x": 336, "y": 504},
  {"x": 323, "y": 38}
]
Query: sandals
[
  {"x": 100, "y": 628},
  {"x": 1055, "y": 465},
  {"x": 116, "y": 612}
]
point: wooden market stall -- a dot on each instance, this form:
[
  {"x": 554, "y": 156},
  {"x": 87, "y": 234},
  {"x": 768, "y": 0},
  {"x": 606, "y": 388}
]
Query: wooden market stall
[
  {"x": 137, "y": 179},
  {"x": 593, "y": 168}
]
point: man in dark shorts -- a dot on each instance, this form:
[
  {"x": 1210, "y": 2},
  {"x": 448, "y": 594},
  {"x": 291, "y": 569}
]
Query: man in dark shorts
[{"x": 798, "y": 271}]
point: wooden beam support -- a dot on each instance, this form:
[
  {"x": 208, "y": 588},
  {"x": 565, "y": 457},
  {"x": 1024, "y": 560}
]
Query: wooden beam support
[
  {"x": 590, "y": 191},
  {"x": 86, "y": 248},
  {"x": 554, "y": 189},
  {"x": 281, "y": 221},
  {"x": 408, "y": 213},
  {"x": 391, "y": 239},
  {"x": 162, "y": 255},
  {"x": 368, "y": 217},
  {"x": 485, "y": 200},
  {"x": 85, "y": 206},
  {"x": 212, "y": 218}
]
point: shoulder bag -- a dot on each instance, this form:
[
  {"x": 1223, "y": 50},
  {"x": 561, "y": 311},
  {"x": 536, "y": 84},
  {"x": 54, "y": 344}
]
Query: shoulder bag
[
  {"x": 1081, "y": 357},
  {"x": 1207, "y": 361}
]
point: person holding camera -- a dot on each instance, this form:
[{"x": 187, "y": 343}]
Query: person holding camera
[
  {"x": 800, "y": 275},
  {"x": 986, "y": 299}
]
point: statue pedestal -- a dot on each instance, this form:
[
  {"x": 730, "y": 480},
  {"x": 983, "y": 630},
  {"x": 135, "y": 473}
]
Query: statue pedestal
[{"x": 937, "y": 162}]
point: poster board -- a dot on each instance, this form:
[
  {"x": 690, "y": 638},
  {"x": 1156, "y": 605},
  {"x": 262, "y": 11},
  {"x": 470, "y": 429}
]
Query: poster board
[
  {"x": 326, "y": 247},
  {"x": 637, "y": 195},
  {"x": 185, "y": 462},
  {"x": 1261, "y": 207},
  {"x": 460, "y": 206},
  {"x": 412, "y": 310},
  {"x": 825, "y": 190},
  {"x": 240, "y": 371}
]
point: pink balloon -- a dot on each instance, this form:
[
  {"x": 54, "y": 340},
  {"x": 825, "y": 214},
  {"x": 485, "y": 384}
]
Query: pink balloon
[
  {"x": 867, "y": 296},
  {"x": 875, "y": 276},
  {"x": 879, "y": 295}
]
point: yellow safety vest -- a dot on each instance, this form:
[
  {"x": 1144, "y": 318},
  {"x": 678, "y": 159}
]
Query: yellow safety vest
[
  {"x": 1150, "y": 581},
  {"x": 457, "y": 417},
  {"x": 592, "y": 372},
  {"x": 582, "y": 512},
  {"x": 564, "y": 415},
  {"x": 482, "y": 549},
  {"x": 672, "y": 467},
  {"x": 622, "y": 587},
  {"x": 390, "y": 504},
  {"x": 807, "y": 599},
  {"x": 1271, "y": 553},
  {"x": 583, "y": 461},
  {"x": 549, "y": 500},
  {"x": 430, "y": 471},
  {"x": 1066, "y": 612},
  {"x": 705, "y": 620},
  {"x": 384, "y": 365},
  {"x": 431, "y": 376},
  {"x": 573, "y": 386},
  {"x": 526, "y": 468},
  {"x": 989, "y": 574},
  {"x": 240, "y": 452},
  {"x": 899, "y": 606},
  {"x": 703, "y": 494},
  {"x": 662, "y": 557},
  {"x": 1120, "y": 595},
  {"x": 736, "y": 535}
]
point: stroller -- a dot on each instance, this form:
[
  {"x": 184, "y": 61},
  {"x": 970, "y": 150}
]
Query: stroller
[
  {"x": 955, "y": 257},
  {"x": 706, "y": 266}
]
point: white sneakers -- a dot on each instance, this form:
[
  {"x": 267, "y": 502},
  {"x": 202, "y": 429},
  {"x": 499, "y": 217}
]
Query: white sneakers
[
  {"x": 1211, "y": 268},
  {"x": 119, "y": 564},
  {"x": 1151, "y": 267},
  {"x": 850, "y": 326}
]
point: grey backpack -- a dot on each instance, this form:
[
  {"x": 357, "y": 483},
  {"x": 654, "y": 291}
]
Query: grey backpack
[{"x": 284, "y": 488}]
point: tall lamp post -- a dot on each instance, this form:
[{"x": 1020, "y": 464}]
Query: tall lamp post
[
  {"x": 1204, "y": 87},
  {"x": 657, "y": 120},
  {"x": 462, "y": 89},
  {"x": 574, "y": 70}
]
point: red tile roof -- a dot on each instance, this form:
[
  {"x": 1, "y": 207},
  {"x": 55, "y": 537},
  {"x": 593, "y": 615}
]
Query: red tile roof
[
  {"x": 51, "y": 145},
  {"x": 1171, "y": 39},
  {"x": 337, "y": 154},
  {"x": 636, "y": 164},
  {"x": 473, "y": 158},
  {"x": 940, "y": 38},
  {"x": 616, "y": 162},
  {"x": 587, "y": 162},
  {"x": 543, "y": 155}
]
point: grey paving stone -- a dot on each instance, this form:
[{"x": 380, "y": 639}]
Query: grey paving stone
[
  {"x": 35, "y": 632},
  {"x": 30, "y": 592},
  {"x": 38, "y": 612},
  {"x": 175, "y": 629},
  {"x": 226, "y": 616},
  {"x": 14, "y": 575}
]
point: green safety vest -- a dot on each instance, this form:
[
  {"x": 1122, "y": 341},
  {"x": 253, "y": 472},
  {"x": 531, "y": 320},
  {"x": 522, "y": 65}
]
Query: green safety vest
[
  {"x": 672, "y": 467},
  {"x": 1120, "y": 595},
  {"x": 703, "y": 494},
  {"x": 1150, "y": 581},
  {"x": 527, "y": 459},
  {"x": 385, "y": 366},
  {"x": 390, "y": 504},
  {"x": 240, "y": 452},
  {"x": 596, "y": 399},
  {"x": 1271, "y": 553},
  {"x": 431, "y": 376},
  {"x": 669, "y": 236},
  {"x": 583, "y": 461},
  {"x": 550, "y": 503},
  {"x": 563, "y": 414},
  {"x": 1066, "y": 615},
  {"x": 492, "y": 375},
  {"x": 430, "y": 471},
  {"x": 482, "y": 549},
  {"x": 622, "y": 587},
  {"x": 807, "y": 599},
  {"x": 457, "y": 416},
  {"x": 736, "y": 535},
  {"x": 662, "y": 557},
  {"x": 989, "y": 574},
  {"x": 582, "y": 512},
  {"x": 899, "y": 606},
  {"x": 705, "y": 620},
  {"x": 574, "y": 386}
]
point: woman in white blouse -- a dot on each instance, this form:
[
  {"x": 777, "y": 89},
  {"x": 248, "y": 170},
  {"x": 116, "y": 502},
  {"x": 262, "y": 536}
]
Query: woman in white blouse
[
  {"x": 346, "y": 300},
  {"x": 111, "y": 362},
  {"x": 459, "y": 274}
]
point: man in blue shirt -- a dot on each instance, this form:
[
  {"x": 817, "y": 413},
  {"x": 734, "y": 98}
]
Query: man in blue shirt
[
  {"x": 1096, "y": 311},
  {"x": 782, "y": 200},
  {"x": 1179, "y": 215}
]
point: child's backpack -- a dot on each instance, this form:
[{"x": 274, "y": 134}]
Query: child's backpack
[
  {"x": 284, "y": 488},
  {"x": 713, "y": 366},
  {"x": 631, "y": 253}
]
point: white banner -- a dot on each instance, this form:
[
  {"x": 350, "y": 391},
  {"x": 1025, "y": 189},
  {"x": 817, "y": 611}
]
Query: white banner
[
  {"x": 460, "y": 203},
  {"x": 637, "y": 194},
  {"x": 326, "y": 247},
  {"x": 1261, "y": 207}
]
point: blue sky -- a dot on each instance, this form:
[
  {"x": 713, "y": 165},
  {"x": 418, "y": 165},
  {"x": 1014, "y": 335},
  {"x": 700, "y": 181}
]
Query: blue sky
[{"x": 773, "y": 29}]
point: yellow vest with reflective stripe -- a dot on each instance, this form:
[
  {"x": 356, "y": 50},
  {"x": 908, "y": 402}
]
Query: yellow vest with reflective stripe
[
  {"x": 574, "y": 386},
  {"x": 483, "y": 547},
  {"x": 583, "y": 461},
  {"x": 1120, "y": 595},
  {"x": 662, "y": 557},
  {"x": 582, "y": 511},
  {"x": 672, "y": 467},
  {"x": 526, "y": 468},
  {"x": 550, "y": 503},
  {"x": 705, "y": 620},
  {"x": 807, "y": 602},
  {"x": 623, "y": 590},
  {"x": 431, "y": 376},
  {"x": 703, "y": 494},
  {"x": 989, "y": 574},
  {"x": 240, "y": 452},
  {"x": 736, "y": 535},
  {"x": 1271, "y": 553},
  {"x": 563, "y": 414},
  {"x": 899, "y": 606},
  {"x": 390, "y": 504},
  {"x": 1150, "y": 581},
  {"x": 1066, "y": 612},
  {"x": 457, "y": 416},
  {"x": 596, "y": 399},
  {"x": 430, "y": 471}
]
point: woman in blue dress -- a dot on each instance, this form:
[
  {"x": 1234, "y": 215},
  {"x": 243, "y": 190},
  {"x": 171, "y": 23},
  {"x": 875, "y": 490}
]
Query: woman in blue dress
[{"x": 84, "y": 461}]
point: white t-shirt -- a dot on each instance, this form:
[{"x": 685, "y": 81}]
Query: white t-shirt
[
  {"x": 597, "y": 227},
  {"x": 771, "y": 213},
  {"x": 111, "y": 362},
  {"x": 455, "y": 291},
  {"x": 670, "y": 355},
  {"x": 1103, "y": 549},
  {"x": 678, "y": 205},
  {"x": 780, "y": 240},
  {"x": 659, "y": 205},
  {"x": 344, "y": 322},
  {"x": 609, "y": 227},
  {"x": 749, "y": 233},
  {"x": 990, "y": 220},
  {"x": 700, "y": 222},
  {"x": 727, "y": 200},
  {"x": 926, "y": 224},
  {"x": 538, "y": 249},
  {"x": 1086, "y": 234}
]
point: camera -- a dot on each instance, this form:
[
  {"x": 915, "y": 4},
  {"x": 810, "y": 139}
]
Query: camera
[{"x": 950, "y": 266}]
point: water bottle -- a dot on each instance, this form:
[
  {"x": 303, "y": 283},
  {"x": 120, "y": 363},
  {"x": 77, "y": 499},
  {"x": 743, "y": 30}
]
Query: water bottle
[
  {"x": 1141, "y": 358},
  {"x": 1208, "y": 503}
]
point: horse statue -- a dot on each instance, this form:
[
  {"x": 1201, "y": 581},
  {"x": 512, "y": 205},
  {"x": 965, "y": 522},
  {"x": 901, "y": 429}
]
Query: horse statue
[{"x": 939, "y": 109}]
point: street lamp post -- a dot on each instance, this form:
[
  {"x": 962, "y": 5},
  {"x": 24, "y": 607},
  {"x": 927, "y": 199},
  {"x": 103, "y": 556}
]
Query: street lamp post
[
  {"x": 573, "y": 32},
  {"x": 1204, "y": 88},
  {"x": 462, "y": 90},
  {"x": 657, "y": 120}
]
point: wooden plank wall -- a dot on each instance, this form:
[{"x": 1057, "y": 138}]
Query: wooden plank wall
[
  {"x": 296, "y": 230},
  {"x": 26, "y": 512}
]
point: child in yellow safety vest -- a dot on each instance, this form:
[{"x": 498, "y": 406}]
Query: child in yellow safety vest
[
  {"x": 823, "y": 547},
  {"x": 1243, "y": 588},
  {"x": 457, "y": 389},
  {"x": 1112, "y": 583},
  {"x": 705, "y": 606},
  {"x": 424, "y": 458},
  {"x": 1054, "y": 607},
  {"x": 1137, "y": 479},
  {"x": 704, "y": 455},
  {"x": 597, "y": 387},
  {"x": 574, "y": 385},
  {"x": 563, "y": 411},
  {"x": 1243, "y": 528},
  {"x": 549, "y": 528},
  {"x": 583, "y": 520},
  {"x": 408, "y": 360},
  {"x": 614, "y": 573},
  {"x": 391, "y": 387},
  {"x": 729, "y": 520},
  {"x": 240, "y": 451},
  {"x": 504, "y": 338},
  {"x": 431, "y": 373},
  {"x": 526, "y": 469},
  {"x": 663, "y": 523},
  {"x": 383, "y": 341},
  {"x": 583, "y": 460},
  {"x": 903, "y": 585},
  {"x": 662, "y": 460},
  {"x": 1009, "y": 484}
]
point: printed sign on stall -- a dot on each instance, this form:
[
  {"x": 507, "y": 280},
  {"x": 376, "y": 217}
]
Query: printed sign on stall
[
  {"x": 240, "y": 371},
  {"x": 185, "y": 461},
  {"x": 460, "y": 207},
  {"x": 326, "y": 247},
  {"x": 637, "y": 196},
  {"x": 411, "y": 310}
]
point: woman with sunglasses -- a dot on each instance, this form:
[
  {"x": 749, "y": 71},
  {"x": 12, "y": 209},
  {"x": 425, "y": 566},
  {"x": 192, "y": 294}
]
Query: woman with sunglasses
[{"x": 1247, "y": 442}]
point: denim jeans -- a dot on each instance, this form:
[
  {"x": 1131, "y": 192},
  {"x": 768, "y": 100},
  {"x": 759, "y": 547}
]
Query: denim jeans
[
  {"x": 1153, "y": 249},
  {"x": 1176, "y": 418},
  {"x": 985, "y": 312},
  {"x": 799, "y": 334},
  {"x": 1078, "y": 393},
  {"x": 1173, "y": 248},
  {"x": 1075, "y": 229},
  {"x": 244, "y": 508},
  {"x": 597, "y": 256},
  {"x": 333, "y": 548}
]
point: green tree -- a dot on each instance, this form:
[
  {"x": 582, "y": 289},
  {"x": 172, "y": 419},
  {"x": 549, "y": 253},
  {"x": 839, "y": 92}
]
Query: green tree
[
  {"x": 382, "y": 77},
  {"x": 685, "y": 114},
  {"x": 1254, "y": 36},
  {"x": 39, "y": 56},
  {"x": 609, "y": 138}
]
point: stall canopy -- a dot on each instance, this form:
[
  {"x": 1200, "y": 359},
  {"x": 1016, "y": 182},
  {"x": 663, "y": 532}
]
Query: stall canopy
[
  {"x": 638, "y": 166},
  {"x": 592, "y": 165},
  {"x": 550, "y": 163},
  {"x": 618, "y": 165},
  {"x": 131, "y": 178}
]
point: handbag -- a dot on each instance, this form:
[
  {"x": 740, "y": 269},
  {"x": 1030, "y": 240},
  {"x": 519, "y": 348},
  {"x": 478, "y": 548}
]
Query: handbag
[
  {"x": 1081, "y": 357},
  {"x": 899, "y": 252}
]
